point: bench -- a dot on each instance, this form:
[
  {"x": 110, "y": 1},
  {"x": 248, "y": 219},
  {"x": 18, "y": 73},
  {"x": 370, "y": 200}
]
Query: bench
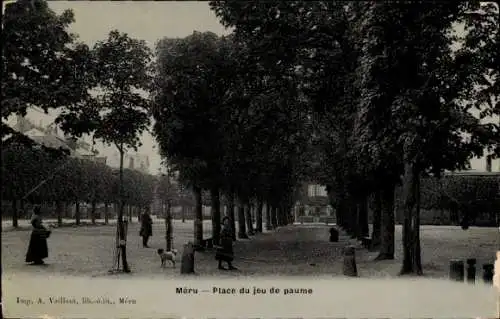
[
  {"x": 366, "y": 242},
  {"x": 207, "y": 243}
]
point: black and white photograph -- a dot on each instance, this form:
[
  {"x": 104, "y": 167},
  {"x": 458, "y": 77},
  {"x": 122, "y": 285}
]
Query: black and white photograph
[{"x": 252, "y": 159}]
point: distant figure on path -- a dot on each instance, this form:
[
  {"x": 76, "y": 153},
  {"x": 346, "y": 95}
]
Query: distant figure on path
[
  {"x": 225, "y": 250},
  {"x": 146, "y": 228},
  {"x": 37, "y": 249}
]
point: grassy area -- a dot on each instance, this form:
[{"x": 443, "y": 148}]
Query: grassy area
[{"x": 439, "y": 245}]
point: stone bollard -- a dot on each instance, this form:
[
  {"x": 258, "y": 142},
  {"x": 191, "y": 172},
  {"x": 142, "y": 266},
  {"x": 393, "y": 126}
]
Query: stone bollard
[
  {"x": 334, "y": 235},
  {"x": 350, "y": 268},
  {"x": 471, "y": 270},
  {"x": 488, "y": 273},
  {"x": 187, "y": 259},
  {"x": 457, "y": 270}
]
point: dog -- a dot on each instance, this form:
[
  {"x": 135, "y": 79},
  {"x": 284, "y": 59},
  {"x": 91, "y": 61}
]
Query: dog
[{"x": 167, "y": 255}]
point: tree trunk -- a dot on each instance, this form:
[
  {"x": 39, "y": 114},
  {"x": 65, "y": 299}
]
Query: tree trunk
[
  {"x": 15, "y": 217},
  {"x": 230, "y": 213},
  {"x": 165, "y": 219},
  {"x": 92, "y": 212},
  {"x": 353, "y": 217},
  {"x": 269, "y": 225},
  {"x": 363, "y": 229},
  {"x": 66, "y": 207},
  {"x": 341, "y": 206},
  {"x": 442, "y": 217},
  {"x": 106, "y": 212},
  {"x": 412, "y": 263},
  {"x": 342, "y": 212},
  {"x": 338, "y": 215},
  {"x": 77, "y": 213},
  {"x": 291, "y": 215},
  {"x": 59, "y": 212},
  {"x": 284, "y": 214},
  {"x": 274, "y": 217},
  {"x": 22, "y": 203},
  {"x": 387, "y": 223},
  {"x": 377, "y": 213},
  {"x": 242, "y": 232},
  {"x": 454, "y": 216},
  {"x": 216, "y": 215},
  {"x": 198, "y": 218},
  {"x": 252, "y": 214},
  {"x": 121, "y": 225},
  {"x": 258, "y": 219},
  {"x": 279, "y": 216},
  {"x": 169, "y": 230},
  {"x": 248, "y": 218}
]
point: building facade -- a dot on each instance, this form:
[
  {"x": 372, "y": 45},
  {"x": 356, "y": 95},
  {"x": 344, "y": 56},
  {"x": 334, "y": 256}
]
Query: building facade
[
  {"x": 312, "y": 202},
  {"x": 49, "y": 135},
  {"x": 485, "y": 164}
]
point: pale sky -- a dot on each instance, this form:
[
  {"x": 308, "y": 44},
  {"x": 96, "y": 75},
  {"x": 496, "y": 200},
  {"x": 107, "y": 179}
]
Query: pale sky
[{"x": 149, "y": 21}]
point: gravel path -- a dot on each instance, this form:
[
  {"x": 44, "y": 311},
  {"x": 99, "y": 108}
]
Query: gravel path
[{"x": 294, "y": 250}]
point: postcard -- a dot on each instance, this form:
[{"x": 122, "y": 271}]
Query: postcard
[{"x": 229, "y": 159}]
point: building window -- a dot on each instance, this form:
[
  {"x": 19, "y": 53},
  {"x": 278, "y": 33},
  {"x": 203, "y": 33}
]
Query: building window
[
  {"x": 310, "y": 191},
  {"x": 316, "y": 190}
]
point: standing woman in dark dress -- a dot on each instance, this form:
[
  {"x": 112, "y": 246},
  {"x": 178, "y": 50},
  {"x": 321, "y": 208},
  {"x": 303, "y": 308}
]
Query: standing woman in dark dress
[
  {"x": 37, "y": 249},
  {"x": 146, "y": 228},
  {"x": 225, "y": 250}
]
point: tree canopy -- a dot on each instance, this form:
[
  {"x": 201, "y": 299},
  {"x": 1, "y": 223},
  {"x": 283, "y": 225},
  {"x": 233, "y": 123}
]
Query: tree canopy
[
  {"x": 41, "y": 61},
  {"x": 68, "y": 179}
]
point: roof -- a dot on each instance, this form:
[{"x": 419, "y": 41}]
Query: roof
[
  {"x": 83, "y": 152},
  {"x": 34, "y": 132},
  {"x": 51, "y": 141},
  {"x": 56, "y": 142}
]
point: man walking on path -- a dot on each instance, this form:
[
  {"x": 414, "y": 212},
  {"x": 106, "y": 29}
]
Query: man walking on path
[{"x": 146, "y": 228}]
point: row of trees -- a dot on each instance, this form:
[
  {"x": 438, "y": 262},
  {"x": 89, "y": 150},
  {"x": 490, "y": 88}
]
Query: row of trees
[
  {"x": 470, "y": 196},
  {"x": 228, "y": 129},
  {"x": 100, "y": 90},
  {"x": 360, "y": 96},
  {"x": 35, "y": 175}
]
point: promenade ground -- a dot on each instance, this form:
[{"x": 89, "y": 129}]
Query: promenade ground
[{"x": 293, "y": 250}]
